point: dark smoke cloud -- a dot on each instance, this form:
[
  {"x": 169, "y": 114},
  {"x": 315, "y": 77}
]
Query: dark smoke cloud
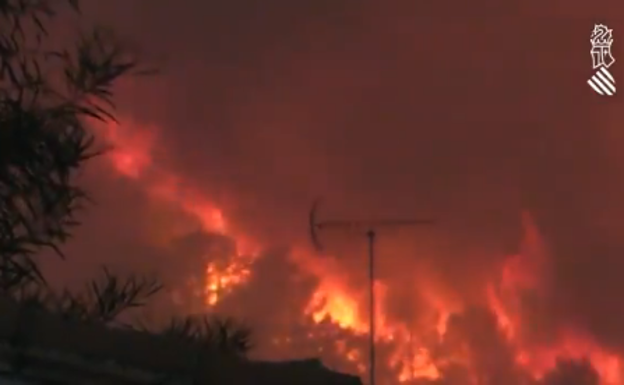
[
  {"x": 571, "y": 372},
  {"x": 467, "y": 113}
]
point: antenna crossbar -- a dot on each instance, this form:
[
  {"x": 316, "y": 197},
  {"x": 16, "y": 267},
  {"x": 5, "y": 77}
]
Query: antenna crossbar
[{"x": 373, "y": 224}]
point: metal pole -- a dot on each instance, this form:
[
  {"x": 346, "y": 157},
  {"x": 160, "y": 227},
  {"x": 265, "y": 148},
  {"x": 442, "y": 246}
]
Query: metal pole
[
  {"x": 370, "y": 234},
  {"x": 371, "y": 276}
]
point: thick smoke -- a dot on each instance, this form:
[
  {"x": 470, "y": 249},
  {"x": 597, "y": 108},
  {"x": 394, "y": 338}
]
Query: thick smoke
[
  {"x": 572, "y": 373},
  {"x": 468, "y": 114}
]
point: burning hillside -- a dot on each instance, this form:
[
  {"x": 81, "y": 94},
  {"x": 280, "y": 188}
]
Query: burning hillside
[
  {"x": 500, "y": 333},
  {"x": 475, "y": 114}
]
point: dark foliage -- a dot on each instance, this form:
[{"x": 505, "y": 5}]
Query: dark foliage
[
  {"x": 48, "y": 97},
  {"x": 223, "y": 334},
  {"x": 103, "y": 300}
]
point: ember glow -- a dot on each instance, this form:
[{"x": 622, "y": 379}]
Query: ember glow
[{"x": 429, "y": 349}]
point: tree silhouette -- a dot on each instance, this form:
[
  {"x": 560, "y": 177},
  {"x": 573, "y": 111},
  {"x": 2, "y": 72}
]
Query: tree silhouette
[
  {"x": 48, "y": 97},
  {"x": 224, "y": 335}
]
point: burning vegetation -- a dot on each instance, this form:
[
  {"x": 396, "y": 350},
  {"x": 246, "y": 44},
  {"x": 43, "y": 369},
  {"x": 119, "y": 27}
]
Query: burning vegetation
[
  {"x": 506, "y": 327},
  {"x": 501, "y": 334}
]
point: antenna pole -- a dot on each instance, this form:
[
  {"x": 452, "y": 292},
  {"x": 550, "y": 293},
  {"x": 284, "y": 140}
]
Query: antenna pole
[
  {"x": 412, "y": 355},
  {"x": 370, "y": 234}
]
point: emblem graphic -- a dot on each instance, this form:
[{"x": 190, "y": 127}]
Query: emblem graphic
[{"x": 602, "y": 82}]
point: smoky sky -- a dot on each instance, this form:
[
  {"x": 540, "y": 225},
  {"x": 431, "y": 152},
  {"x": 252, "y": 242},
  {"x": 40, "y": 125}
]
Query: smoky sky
[{"x": 466, "y": 112}]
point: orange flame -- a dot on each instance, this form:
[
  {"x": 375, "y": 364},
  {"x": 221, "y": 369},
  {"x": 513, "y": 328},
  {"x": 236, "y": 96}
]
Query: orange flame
[
  {"x": 340, "y": 304},
  {"x": 132, "y": 157}
]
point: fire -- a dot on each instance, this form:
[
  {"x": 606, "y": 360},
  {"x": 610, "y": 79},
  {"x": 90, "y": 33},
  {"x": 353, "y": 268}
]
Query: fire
[
  {"x": 221, "y": 281},
  {"x": 132, "y": 157},
  {"x": 419, "y": 348},
  {"x": 132, "y": 150},
  {"x": 523, "y": 272},
  {"x": 339, "y": 307},
  {"x": 421, "y": 366}
]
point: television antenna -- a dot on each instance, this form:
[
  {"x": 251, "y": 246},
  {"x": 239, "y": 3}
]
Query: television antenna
[{"x": 369, "y": 228}]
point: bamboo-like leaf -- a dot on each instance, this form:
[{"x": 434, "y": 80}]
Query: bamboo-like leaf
[{"x": 44, "y": 137}]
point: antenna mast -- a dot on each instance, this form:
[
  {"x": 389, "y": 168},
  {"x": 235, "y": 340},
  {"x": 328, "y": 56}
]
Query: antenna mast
[
  {"x": 412, "y": 356},
  {"x": 369, "y": 229}
]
